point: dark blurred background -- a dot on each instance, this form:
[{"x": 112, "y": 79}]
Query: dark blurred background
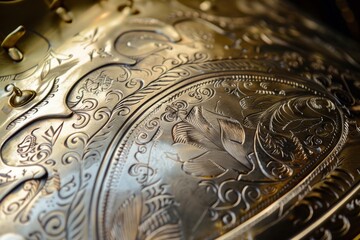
[{"x": 341, "y": 15}]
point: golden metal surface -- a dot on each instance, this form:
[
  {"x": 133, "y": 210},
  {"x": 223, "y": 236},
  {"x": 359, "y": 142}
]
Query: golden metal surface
[
  {"x": 58, "y": 7},
  {"x": 20, "y": 98},
  {"x": 9, "y": 43},
  {"x": 177, "y": 119}
]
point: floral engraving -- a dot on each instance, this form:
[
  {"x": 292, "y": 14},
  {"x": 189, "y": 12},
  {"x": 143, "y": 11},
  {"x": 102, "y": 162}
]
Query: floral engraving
[
  {"x": 221, "y": 137},
  {"x": 32, "y": 151}
]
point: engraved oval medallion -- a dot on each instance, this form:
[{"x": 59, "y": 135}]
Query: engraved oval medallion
[
  {"x": 179, "y": 120},
  {"x": 217, "y": 153}
]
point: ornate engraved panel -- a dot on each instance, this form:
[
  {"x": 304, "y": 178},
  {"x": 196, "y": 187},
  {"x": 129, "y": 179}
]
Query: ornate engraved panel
[
  {"x": 237, "y": 142},
  {"x": 179, "y": 120}
]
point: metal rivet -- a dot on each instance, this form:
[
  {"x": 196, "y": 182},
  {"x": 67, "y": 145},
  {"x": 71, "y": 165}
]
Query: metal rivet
[{"x": 19, "y": 97}]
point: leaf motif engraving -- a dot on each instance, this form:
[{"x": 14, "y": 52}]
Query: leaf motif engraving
[
  {"x": 77, "y": 217},
  {"x": 196, "y": 119},
  {"x": 51, "y": 135},
  {"x": 46, "y": 68},
  {"x": 210, "y": 165},
  {"x": 166, "y": 232},
  {"x": 221, "y": 137},
  {"x": 184, "y": 132},
  {"x": 55, "y": 63},
  {"x": 232, "y": 138},
  {"x": 32, "y": 151},
  {"x": 126, "y": 219},
  {"x": 160, "y": 218}
]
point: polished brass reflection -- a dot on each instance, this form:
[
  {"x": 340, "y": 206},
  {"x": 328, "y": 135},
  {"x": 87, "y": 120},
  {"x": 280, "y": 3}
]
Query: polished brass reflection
[
  {"x": 58, "y": 7},
  {"x": 19, "y": 97},
  {"x": 178, "y": 119},
  {"x": 9, "y": 43}
]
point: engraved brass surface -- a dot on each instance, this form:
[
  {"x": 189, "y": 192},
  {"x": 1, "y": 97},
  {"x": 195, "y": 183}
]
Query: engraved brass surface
[{"x": 178, "y": 119}]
